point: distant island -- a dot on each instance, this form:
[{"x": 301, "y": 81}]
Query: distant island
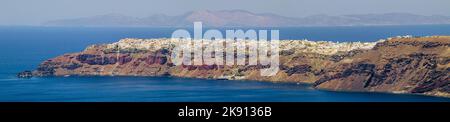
[
  {"x": 241, "y": 18},
  {"x": 405, "y": 64}
]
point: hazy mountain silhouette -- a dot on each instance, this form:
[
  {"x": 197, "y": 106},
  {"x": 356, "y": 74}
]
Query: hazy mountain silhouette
[{"x": 226, "y": 18}]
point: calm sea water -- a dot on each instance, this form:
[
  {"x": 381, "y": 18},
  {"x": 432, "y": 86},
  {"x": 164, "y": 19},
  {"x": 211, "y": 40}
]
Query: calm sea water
[{"x": 23, "y": 48}]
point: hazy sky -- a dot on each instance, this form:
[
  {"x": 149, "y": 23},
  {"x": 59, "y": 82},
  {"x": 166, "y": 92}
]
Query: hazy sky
[{"x": 29, "y": 12}]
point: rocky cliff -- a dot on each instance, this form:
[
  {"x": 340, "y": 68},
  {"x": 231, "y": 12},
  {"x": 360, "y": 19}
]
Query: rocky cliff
[{"x": 399, "y": 65}]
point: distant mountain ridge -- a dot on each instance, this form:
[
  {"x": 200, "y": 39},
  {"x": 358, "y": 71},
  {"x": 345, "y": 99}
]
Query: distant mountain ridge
[{"x": 227, "y": 18}]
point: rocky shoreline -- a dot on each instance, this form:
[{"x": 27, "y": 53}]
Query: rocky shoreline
[{"x": 416, "y": 65}]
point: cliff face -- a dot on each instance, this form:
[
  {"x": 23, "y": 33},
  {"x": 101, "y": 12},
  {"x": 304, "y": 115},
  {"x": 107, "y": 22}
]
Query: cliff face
[
  {"x": 401, "y": 65},
  {"x": 300, "y": 61}
]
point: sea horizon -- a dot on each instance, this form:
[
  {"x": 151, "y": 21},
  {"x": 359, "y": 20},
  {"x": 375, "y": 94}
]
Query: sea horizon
[{"x": 29, "y": 46}]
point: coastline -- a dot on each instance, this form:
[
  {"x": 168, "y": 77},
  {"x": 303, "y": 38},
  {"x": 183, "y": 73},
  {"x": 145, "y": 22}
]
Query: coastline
[
  {"x": 352, "y": 69},
  {"x": 308, "y": 85}
]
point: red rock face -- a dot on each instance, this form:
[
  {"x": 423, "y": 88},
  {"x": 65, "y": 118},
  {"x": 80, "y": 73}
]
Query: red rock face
[
  {"x": 159, "y": 57},
  {"x": 93, "y": 59},
  {"x": 405, "y": 65},
  {"x": 124, "y": 59},
  {"x": 161, "y": 60}
]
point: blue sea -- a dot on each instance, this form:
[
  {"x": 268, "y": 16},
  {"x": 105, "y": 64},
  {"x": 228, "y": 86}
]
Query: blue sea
[{"x": 24, "y": 47}]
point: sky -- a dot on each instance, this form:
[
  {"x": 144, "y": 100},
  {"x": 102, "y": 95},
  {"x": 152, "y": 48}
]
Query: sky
[{"x": 34, "y": 12}]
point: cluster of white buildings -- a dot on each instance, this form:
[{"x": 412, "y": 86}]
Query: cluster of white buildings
[
  {"x": 321, "y": 47},
  {"x": 401, "y": 37},
  {"x": 142, "y": 44},
  {"x": 324, "y": 47}
]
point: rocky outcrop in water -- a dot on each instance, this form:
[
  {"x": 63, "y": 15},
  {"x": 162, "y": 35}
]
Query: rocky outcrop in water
[
  {"x": 397, "y": 65},
  {"x": 25, "y": 74}
]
